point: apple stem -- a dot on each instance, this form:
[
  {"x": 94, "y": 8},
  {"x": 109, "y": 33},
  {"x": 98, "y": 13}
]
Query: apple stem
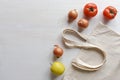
[{"x": 50, "y": 63}]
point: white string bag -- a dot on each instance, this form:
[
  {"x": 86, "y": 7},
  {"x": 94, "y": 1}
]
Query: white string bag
[{"x": 99, "y": 57}]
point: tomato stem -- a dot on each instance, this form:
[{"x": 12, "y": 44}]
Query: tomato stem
[
  {"x": 111, "y": 11},
  {"x": 91, "y": 9}
]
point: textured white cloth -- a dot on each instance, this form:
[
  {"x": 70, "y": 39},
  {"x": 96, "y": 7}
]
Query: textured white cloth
[{"x": 108, "y": 40}]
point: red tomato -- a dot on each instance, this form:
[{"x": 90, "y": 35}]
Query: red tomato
[
  {"x": 90, "y": 9},
  {"x": 110, "y": 12}
]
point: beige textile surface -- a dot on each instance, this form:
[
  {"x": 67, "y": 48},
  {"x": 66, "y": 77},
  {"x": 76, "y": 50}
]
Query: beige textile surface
[
  {"x": 108, "y": 40},
  {"x": 82, "y": 43}
]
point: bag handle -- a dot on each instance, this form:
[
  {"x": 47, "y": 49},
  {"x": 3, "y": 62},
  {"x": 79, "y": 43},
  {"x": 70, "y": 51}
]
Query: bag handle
[{"x": 82, "y": 44}]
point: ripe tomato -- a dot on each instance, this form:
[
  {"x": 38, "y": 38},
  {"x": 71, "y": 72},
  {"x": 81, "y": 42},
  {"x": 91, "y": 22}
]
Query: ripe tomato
[
  {"x": 90, "y": 9},
  {"x": 110, "y": 12}
]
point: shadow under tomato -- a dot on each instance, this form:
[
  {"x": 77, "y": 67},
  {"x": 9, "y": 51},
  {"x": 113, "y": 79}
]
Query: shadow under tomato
[{"x": 105, "y": 20}]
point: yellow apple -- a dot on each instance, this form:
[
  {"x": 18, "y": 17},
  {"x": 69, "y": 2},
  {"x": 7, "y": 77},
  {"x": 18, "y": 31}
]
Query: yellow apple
[{"x": 57, "y": 68}]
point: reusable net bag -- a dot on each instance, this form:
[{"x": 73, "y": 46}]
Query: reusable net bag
[{"x": 99, "y": 56}]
